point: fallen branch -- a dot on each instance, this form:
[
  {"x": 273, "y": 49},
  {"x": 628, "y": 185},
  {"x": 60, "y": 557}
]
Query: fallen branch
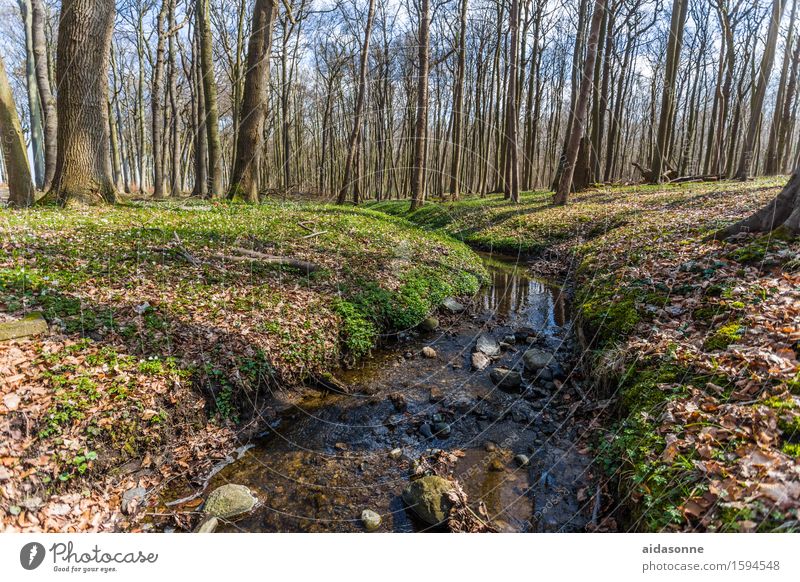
[
  {"x": 251, "y": 255},
  {"x": 313, "y": 234},
  {"x": 184, "y": 252}
]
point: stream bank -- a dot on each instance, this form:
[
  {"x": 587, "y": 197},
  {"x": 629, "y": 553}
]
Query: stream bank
[{"x": 519, "y": 441}]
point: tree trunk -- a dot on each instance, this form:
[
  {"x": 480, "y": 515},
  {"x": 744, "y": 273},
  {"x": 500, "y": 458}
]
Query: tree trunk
[
  {"x": 250, "y": 146},
  {"x": 772, "y": 157},
  {"x": 210, "y": 96},
  {"x": 172, "y": 87},
  {"x": 45, "y": 93},
  {"x": 746, "y": 158},
  {"x": 34, "y": 105},
  {"x": 13, "y": 147},
  {"x": 355, "y": 134},
  {"x": 83, "y": 165},
  {"x": 421, "y": 127},
  {"x": 512, "y": 121},
  {"x": 667, "y": 117},
  {"x": 157, "y": 104},
  {"x": 782, "y": 212},
  {"x": 458, "y": 106},
  {"x": 581, "y": 107}
]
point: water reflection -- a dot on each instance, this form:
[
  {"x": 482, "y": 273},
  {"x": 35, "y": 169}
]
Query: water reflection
[{"x": 514, "y": 295}]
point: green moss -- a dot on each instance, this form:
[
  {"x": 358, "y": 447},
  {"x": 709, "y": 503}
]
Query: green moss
[
  {"x": 644, "y": 390},
  {"x": 609, "y": 313},
  {"x": 757, "y": 250},
  {"x": 724, "y": 336}
]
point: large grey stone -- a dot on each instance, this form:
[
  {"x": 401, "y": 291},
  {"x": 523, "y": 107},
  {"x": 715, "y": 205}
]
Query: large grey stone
[
  {"x": 429, "y": 498},
  {"x": 229, "y": 500},
  {"x": 452, "y": 305},
  {"x": 534, "y": 360},
  {"x": 31, "y": 324},
  {"x": 487, "y": 345},
  {"x": 505, "y": 379}
]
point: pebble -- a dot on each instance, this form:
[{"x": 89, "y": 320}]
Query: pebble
[
  {"x": 395, "y": 454},
  {"x": 371, "y": 520},
  {"x": 428, "y": 352}
]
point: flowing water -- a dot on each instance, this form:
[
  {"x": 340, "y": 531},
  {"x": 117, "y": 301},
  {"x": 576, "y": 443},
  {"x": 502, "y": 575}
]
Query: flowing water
[{"x": 328, "y": 457}]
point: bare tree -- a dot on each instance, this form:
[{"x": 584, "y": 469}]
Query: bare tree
[
  {"x": 48, "y": 102},
  {"x": 351, "y": 166},
  {"x": 12, "y": 143},
  {"x": 210, "y": 97},
  {"x": 418, "y": 173},
  {"x": 244, "y": 182},
  {"x": 668, "y": 100},
  {"x": 581, "y": 106},
  {"x": 746, "y": 158}
]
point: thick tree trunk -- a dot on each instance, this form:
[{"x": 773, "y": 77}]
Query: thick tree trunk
[
  {"x": 581, "y": 107},
  {"x": 354, "y": 142},
  {"x": 83, "y": 165},
  {"x": 210, "y": 96},
  {"x": 249, "y": 150},
  {"x": 782, "y": 212},
  {"x": 46, "y": 97},
  {"x": 418, "y": 173},
  {"x": 746, "y": 158},
  {"x": 12, "y": 145}
]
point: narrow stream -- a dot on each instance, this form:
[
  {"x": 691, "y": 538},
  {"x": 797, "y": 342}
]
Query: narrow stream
[{"x": 329, "y": 457}]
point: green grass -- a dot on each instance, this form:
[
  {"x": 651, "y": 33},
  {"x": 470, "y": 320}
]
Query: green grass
[{"x": 123, "y": 272}]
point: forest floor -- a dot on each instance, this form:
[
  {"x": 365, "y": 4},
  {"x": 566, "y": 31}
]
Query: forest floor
[
  {"x": 694, "y": 343},
  {"x": 166, "y": 340}
]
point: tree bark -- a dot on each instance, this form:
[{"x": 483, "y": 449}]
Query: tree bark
[
  {"x": 250, "y": 146},
  {"x": 581, "y": 107},
  {"x": 83, "y": 164},
  {"x": 12, "y": 143}
]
